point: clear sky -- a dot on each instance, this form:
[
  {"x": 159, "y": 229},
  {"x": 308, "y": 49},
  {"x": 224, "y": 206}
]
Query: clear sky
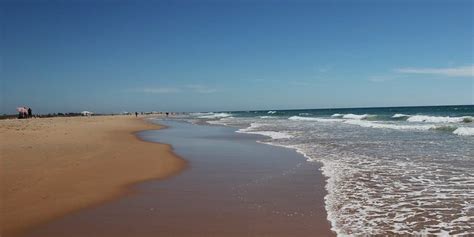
[{"x": 113, "y": 56}]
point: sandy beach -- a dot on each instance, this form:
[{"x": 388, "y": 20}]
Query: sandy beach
[{"x": 54, "y": 166}]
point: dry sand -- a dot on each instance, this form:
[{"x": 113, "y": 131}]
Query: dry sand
[{"x": 52, "y": 166}]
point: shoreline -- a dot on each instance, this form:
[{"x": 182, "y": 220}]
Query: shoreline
[
  {"x": 56, "y": 166},
  {"x": 235, "y": 187}
]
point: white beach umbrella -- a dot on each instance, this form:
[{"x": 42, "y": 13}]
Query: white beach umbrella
[{"x": 86, "y": 113}]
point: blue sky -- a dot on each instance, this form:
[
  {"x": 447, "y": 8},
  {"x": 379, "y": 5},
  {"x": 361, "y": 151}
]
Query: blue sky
[{"x": 113, "y": 56}]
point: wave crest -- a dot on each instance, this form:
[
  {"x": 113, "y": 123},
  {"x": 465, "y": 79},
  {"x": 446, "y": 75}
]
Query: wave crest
[
  {"x": 439, "y": 119},
  {"x": 355, "y": 116},
  {"x": 464, "y": 131},
  {"x": 299, "y": 118},
  {"x": 272, "y": 134},
  {"x": 369, "y": 124},
  {"x": 214, "y": 115},
  {"x": 400, "y": 116},
  {"x": 446, "y": 128}
]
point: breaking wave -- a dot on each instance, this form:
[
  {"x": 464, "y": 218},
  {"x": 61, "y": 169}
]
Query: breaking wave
[
  {"x": 464, "y": 131},
  {"x": 444, "y": 128},
  {"x": 299, "y": 118},
  {"x": 272, "y": 134},
  {"x": 439, "y": 119},
  {"x": 400, "y": 116},
  {"x": 355, "y": 116},
  {"x": 370, "y": 124},
  {"x": 213, "y": 115}
]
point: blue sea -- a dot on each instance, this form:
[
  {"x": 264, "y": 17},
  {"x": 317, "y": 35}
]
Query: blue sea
[{"x": 397, "y": 170}]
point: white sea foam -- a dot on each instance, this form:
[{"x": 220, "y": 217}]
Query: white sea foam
[
  {"x": 268, "y": 117},
  {"x": 355, "y": 116},
  {"x": 271, "y": 112},
  {"x": 361, "y": 186},
  {"x": 252, "y": 127},
  {"x": 197, "y": 114},
  {"x": 371, "y": 124},
  {"x": 299, "y": 118},
  {"x": 464, "y": 131},
  {"x": 215, "y": 115},
  {"x": 439, "y": 119},
  {"x": 223, "y": 121},
  {"x": 372, "y": 188},
  {"x": 272, "y": 134},
  {"x": 337, "y": 115},
  {"x": 400, "y": 116}
]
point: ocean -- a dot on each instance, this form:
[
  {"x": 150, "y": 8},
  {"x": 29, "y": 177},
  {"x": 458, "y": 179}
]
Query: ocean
[{"x": 397, "y": 170}]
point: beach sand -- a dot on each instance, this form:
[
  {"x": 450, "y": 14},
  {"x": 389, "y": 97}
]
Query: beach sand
[{"x": 53, "y": 166}]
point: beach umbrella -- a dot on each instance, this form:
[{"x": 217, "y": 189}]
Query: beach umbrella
[
  {"x": 86, "y": 113},
  {"x": 22, "y": 109}
]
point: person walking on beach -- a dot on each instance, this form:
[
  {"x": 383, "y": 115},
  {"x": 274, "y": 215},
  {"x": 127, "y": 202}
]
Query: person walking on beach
[
  {"x": 136, "y": 114},
  {"x": 30, "y": 113}
]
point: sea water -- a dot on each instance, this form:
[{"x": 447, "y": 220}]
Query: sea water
[{"x": 399, "y": 170}]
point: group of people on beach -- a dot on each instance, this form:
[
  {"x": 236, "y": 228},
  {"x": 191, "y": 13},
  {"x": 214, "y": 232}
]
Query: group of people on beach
[
  {"x": 167, "y": 114},
  {"x": 24, "y": 112}
]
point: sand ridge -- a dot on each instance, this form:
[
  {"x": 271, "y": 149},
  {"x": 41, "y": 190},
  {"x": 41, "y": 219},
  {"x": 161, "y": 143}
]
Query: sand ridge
[{"x": 52, "y": 166}]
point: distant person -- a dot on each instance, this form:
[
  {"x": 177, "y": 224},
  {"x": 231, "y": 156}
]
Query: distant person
[
  {"x": 30, "y": 113},
  {"x": 167, "y": 114},
  {"x": 136, "y": 114}
]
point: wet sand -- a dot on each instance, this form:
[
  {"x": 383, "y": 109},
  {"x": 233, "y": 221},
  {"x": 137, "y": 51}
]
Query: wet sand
[
  {"x": 233, "y": 186},
  {"x": 54, "y": 166}
]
